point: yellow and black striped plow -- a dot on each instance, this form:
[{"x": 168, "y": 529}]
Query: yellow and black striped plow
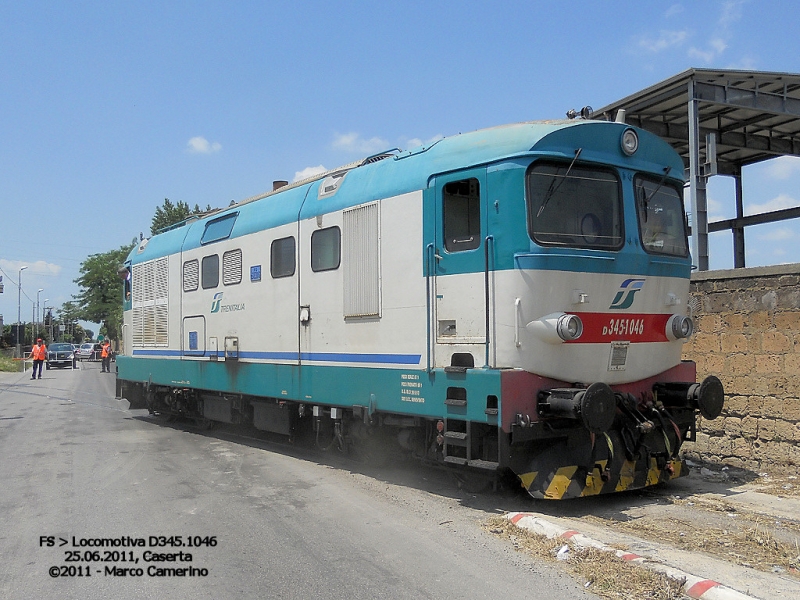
[{"x": 600, "y": 466}]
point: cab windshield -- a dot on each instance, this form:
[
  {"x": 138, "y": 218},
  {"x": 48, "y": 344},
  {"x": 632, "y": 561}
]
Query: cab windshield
[
  {"x": 574, "y": 205},
  {"x": 659, "y": 207}
]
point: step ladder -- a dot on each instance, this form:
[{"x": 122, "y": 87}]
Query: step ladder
[{"x": 457, "y": 448}]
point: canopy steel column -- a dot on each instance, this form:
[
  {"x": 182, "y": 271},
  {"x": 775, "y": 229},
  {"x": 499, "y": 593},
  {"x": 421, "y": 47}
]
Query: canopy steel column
[
  {"x": 738, "y": 232},
  {"x": 697, "y": 188}
]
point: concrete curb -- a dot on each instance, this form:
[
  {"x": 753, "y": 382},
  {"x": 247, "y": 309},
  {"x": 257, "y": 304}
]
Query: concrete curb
[{"x": 694, "y": 587}]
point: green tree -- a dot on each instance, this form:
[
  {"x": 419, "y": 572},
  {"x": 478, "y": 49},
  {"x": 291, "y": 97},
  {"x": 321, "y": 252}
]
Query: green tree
[
  {"x": 169, "y": 214},
  {"x": 69, "y": 314},
  {"x": 99, "y": 299}
]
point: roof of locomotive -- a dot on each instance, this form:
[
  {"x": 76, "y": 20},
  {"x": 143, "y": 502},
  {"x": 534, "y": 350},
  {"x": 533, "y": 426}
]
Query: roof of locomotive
[{"x": 413, "y": 170}]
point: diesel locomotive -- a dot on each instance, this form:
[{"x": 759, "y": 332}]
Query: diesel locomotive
[{"x": 508, "y": 301}]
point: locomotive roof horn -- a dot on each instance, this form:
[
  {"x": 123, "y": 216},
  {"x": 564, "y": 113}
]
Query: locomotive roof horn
[{"x": 585, "y": 113}]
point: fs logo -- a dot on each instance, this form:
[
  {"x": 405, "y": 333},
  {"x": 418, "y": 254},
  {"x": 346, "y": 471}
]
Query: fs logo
[
  {"x": 216, "y": 302},
  {"x": 627, "y": 290}
]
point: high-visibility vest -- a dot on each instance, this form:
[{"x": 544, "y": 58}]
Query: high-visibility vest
[
  {"x": 39, "y": 352},
  {"x": 104, "y": 353}
]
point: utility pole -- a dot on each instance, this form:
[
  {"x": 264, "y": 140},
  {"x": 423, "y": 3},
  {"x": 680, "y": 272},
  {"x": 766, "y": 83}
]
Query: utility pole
[
  {"x": 37, "y": 311},
  {"x": 44, "y": 308},
  {"x": 19, "y": 309}
]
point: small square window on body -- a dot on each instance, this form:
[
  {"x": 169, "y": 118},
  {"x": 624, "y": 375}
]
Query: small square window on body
[
  {"x": 326, "y": 249},
  {"x": 282, "y": 261},
  {"x": 210, "y": 271}
]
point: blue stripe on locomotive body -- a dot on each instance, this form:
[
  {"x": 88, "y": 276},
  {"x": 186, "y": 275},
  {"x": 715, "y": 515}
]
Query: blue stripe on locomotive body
[{"x": 339, "y": 357}]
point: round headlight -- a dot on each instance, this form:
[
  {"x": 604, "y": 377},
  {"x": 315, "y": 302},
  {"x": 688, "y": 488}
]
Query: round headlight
[
  {"x": 569, "y": 327},
  {"x": 629, "y": 141},
  {"x": 679, "y": 327}
]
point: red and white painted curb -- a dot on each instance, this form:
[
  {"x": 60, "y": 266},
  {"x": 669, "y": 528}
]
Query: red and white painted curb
[{"x": 694, "y": 587}]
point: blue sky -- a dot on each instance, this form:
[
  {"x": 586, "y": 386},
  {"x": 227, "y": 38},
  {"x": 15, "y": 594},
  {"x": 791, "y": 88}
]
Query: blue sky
[{"x": 107, "y": 108}]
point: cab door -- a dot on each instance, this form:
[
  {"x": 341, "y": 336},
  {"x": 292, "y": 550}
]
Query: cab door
[{"x": 459, "y": 268}]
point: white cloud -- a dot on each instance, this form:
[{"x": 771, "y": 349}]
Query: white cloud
[
  {"x": 778, "y": 235},
  {"x": 673, "y": 10},
  {"x": 731, "y": 12},
  {"x": 783, "y": 167},
  {"x": 716, "y": 47},
  {"x": 353, "y": 142},
  {"x": 714, "y": 209},
  {"x": 704, "y": 56},
  {"x": 719, "y": 41},
  {"x": 781, "y": 201},
  {"x": 665, "y": 40},
  {"x": 39, "y": 267},
  {"x": 416, "y": 142},
  {"x": 200, "y": 145},
  {"x": 308, "y": 172}
]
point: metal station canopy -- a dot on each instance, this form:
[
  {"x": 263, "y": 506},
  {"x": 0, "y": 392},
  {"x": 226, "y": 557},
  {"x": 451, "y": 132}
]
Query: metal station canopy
[{"x": 737, "y": 118}]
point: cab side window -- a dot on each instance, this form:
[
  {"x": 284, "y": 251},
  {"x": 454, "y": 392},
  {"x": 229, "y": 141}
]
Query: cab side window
[{"x": 462, "y": 215}]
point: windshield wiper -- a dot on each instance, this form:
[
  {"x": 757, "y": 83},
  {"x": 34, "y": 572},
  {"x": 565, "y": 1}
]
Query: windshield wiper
[
  {"x": 647, "y": 199},
  {"x": 554, "y": 188}
]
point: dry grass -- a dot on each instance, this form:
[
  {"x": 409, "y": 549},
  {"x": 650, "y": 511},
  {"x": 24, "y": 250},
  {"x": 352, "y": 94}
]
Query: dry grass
[
  {"x": 778, "y": 485},
  {"x": 749, "y": 541},
  {"x": 602, "y": 573}
]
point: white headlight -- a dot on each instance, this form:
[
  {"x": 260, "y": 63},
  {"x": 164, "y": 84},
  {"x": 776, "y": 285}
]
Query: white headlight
[
  {"x": 679, "y": 327},
  {"x": 629, "y": 141},
  {"x": 569, "y": 327}
]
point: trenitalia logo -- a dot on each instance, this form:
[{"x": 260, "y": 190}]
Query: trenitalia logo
[
  {"x": 624, "y": 297},
  {"x": 216, "y": 302},
  {"x": 217, "y": 306}
]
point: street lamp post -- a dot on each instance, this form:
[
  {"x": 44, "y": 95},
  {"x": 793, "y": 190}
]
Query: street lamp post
[
  {"x": 39, "y": 291},
  {"x": 19, "y": 307}
]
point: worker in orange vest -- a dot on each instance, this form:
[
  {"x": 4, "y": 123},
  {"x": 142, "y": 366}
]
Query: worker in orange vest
[
  {"x": 105, "y": 354},
  {"x": 39, "y": 355}
]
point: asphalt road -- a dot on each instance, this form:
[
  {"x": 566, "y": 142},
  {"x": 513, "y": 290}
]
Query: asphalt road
[{"x": 287, "y": 522}]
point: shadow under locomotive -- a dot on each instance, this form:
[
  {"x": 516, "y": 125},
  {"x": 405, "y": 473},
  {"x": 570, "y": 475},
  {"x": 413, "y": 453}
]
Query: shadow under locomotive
[{"x": 613, "y": 442}]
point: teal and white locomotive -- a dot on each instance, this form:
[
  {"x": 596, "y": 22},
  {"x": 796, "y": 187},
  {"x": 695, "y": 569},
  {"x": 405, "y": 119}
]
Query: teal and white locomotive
[{"x": 508, "y": 300}]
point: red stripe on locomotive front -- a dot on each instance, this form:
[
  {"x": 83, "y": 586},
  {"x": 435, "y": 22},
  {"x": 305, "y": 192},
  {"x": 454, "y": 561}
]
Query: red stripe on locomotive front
[{"x": 636, "y": 328}]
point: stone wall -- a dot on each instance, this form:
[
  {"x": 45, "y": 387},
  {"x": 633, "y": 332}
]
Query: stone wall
[{"x": 747, "y": 333}]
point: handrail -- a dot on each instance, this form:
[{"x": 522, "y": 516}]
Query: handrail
[
  {"x": 517, "y": 302},
  {"x": 428, "y": 251},
  {"x": 489, "y": 239}
]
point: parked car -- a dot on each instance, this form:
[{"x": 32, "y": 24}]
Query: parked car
[
  {"x": 89, "y": 351},
  {"x": 60, "y": 355}
]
